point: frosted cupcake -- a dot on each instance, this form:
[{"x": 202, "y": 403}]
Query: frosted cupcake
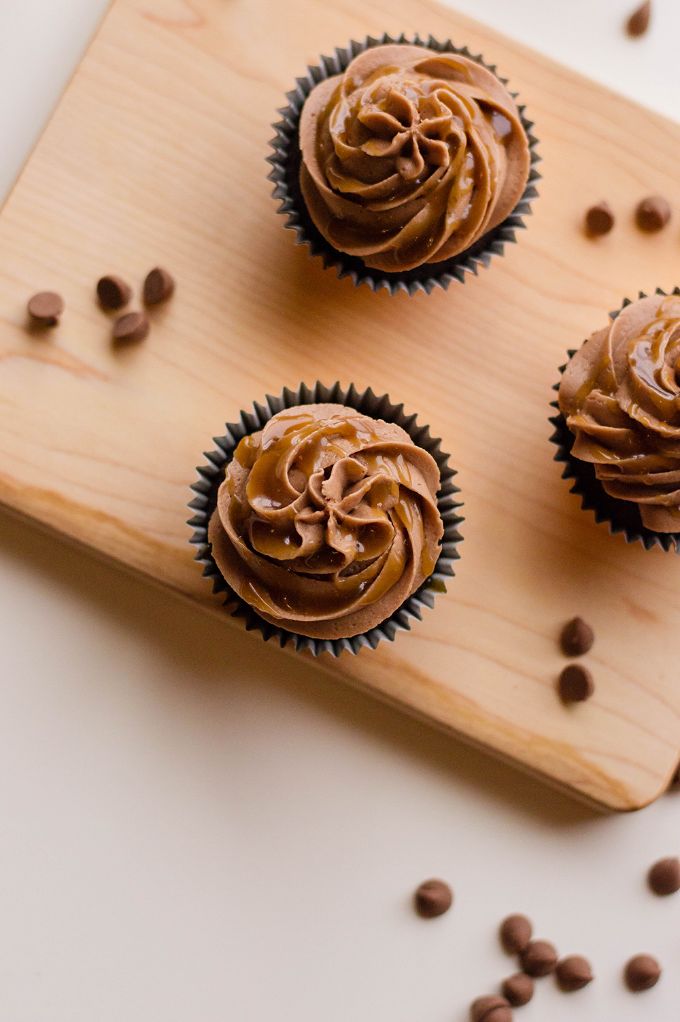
[
  {"x": 410, "y": 161},
  {"x": 619, "y": 399},
  {"x": 327, "y": 522}
]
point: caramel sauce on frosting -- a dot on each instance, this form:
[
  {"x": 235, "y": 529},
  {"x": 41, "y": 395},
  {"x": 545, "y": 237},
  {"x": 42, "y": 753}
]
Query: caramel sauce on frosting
[
  {"x": 327, "y": 520},
  {"x": 411, "y": 156},
  {"x": 620, "y": 395}
]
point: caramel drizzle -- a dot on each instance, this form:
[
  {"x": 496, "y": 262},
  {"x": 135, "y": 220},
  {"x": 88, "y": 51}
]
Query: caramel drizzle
[
  {"x": 318, "y": 486},
  {"x": 653, "y": 357},
  {"x": 401, "y": 136}
]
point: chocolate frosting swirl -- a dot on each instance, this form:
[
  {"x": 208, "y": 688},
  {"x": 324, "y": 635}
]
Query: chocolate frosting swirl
[
  {"x": 620, "y": 395},
  {"x": 411, "y": 156},
  {"x": 327, "y": 520}
]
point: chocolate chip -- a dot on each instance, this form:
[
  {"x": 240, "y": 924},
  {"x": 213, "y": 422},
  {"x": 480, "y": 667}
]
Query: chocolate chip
[
  {"x": 132, "y": 326},
  {"x": 653, "y": 213},
  {"x": 599, "y": 220},
  {"x": 45, "y": 308},
  {"x": 515, "y": 933},
  {"x": 539, "y": 958},
  {"x": 518, "y": 989},
  {"x": 158, "y": 286},
  {"x": 575, "y": 684},
  {"x": 642, "y": 973},
  {"x": 638, "y": 22},
  {"x": 490, "y": 1009},
  {"x": 113, "y": 292},
  {"x": 674, "y": 784},
  {"x": 433, "y": 898},
  {"x": 577, "y": 637},
  {"x": 573, "y": 973},
  {"x": 664, "y": 876}
]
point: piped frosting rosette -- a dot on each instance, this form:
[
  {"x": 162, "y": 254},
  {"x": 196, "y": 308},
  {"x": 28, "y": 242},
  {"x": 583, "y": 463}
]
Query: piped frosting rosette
[
  {"x": 620, "y": 398},
  {"x": 327, "y": 520},
  {"x": 411, "y": 156}
]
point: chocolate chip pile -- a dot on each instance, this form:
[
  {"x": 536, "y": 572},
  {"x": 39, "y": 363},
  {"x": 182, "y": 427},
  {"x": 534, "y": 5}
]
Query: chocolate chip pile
[
  {"x": 538, "y": 959},
  {"x": 113, "y": 293},
  {"x": 575, "y": 683},
  {"x": 651, "y": 214}
]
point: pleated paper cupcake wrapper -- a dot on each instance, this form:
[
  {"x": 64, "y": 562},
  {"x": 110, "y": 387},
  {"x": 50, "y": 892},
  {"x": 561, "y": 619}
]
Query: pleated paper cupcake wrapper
[
  {"x": 622, "y": 516},
  {"x": 285, "y": 174},
  {"x": 211, "y": 474}
]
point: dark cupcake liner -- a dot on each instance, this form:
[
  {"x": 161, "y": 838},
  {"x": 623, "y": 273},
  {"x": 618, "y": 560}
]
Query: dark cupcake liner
[
  {"x": 285, "y": 174},
  {"x": 622, "y": 516},
  {"x": 212, "y": 473}
]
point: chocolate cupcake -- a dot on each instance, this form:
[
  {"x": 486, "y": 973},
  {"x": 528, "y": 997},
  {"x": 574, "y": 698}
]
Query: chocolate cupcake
[
  {"x": 618, "y": 428},
  {"x": 404, "y": 164},
  {"x": 327, "y": 517}
]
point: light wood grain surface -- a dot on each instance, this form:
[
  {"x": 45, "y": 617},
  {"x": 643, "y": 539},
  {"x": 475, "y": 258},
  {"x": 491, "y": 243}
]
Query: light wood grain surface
[{"x": 157, "y": 154}]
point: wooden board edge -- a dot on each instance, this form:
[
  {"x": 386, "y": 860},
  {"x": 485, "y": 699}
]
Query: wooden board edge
[{"x": 334, "y": 670}]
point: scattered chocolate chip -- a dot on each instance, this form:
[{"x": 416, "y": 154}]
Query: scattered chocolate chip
[
  {"x": 577, "y": 637},
  {"x": 575, "y": 684},
  {"x": 515, "y": 933},
  {"x": 113, "y": 292},
  {"x": 45, "y": 308},
  {"x": 642, "y": 973},
  {"x": 653, "y": 213},
  {"x": 518, "y": 989},
  {"x": 433, "y": 898},
  {"x": 674, "y": 784},
  {"x": 599, "y": 220},
  {"x": 573, "y": 973},
  {"x": 490, "y": 1009},
  {"x": 664, "y": 876},
  {"x": 132, "y": 326},
  {"x": 638, "y": 22},
  {"x": 158, "y": 286},
  {"x": 538, "y": 958}
]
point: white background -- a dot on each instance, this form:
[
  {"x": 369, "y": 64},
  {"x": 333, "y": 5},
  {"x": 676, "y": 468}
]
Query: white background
[{"x": 194, "y": 828}]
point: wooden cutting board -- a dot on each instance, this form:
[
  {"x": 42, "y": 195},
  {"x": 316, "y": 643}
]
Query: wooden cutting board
[{"x": 156, "y": 154}]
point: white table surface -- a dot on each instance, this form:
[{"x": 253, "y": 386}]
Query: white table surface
[{"x": 197, "y": 829}]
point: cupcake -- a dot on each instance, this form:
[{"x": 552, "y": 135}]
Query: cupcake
[
  {"x": 619, "y": 423},
  {"x": 404, "y": 165},
  {"x": 324, "y": 522}
]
